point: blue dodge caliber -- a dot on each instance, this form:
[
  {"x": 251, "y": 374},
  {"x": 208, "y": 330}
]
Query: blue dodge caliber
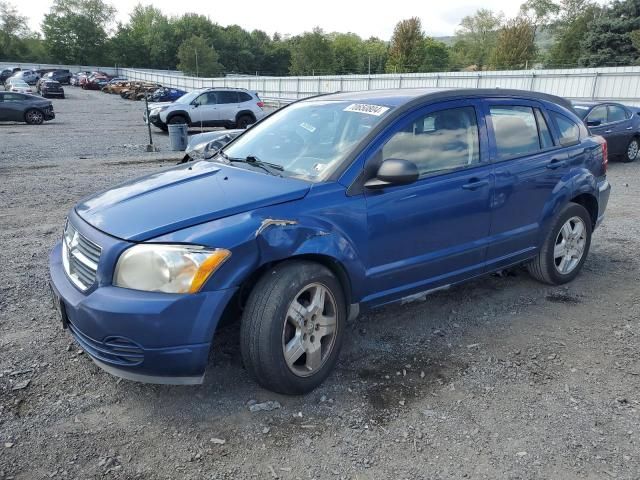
[{"x": 331, "y": 205}]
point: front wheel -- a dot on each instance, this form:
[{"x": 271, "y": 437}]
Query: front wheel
[
  {"x": 33, "y": 117},
  {"x": 565, "y": 248},
  {"x": 632, "y": 151},
  {"x": 292, "y": 327}
]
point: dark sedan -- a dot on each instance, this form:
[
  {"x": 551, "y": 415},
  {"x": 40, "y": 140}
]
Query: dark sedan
[
  {"x": 62, "y": 76},
  {"x": 4, "y": 74},
  {"x": 617, "y": 123},
  {"x": 18, "y": 107},
  {"x": 50, "y": 88}
]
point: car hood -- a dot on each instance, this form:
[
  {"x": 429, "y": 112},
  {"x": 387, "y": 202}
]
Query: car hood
[{"x": 184, "y": 196}]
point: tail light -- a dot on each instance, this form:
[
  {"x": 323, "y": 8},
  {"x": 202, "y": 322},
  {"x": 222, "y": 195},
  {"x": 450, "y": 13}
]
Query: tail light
[
  {"x": 605, "y": 152},
  {"x": 261, "y": 104}
]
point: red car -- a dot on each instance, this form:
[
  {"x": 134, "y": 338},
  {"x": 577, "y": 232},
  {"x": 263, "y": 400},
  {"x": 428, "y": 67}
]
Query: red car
[{"x": 95, "y": 81}]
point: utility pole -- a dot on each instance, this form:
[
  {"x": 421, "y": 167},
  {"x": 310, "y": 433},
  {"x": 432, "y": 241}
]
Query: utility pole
[
  {"x": 196, "y": 50},
  {"x": 369, "y": 64}
]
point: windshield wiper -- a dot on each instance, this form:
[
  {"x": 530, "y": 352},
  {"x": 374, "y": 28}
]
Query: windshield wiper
[{"x": 253, "y": 160}]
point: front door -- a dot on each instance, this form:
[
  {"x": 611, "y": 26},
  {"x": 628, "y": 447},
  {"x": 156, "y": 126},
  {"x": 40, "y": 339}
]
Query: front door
[
  {"x": 204, "y": 110},
  {"x": 432, "y": 232},
  {"x": 619, "y": 125}
]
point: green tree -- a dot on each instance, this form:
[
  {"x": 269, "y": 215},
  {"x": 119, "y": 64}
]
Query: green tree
[
  {"x": 311, "y": 54},
  {"x": 476, "y": 39},
  {"x": 13, "y": 32},
  {"x": 375, "y": 55},
  {"x": 75, "y": 31},
  {"x": 348, "y": 51},
  {"x": 436, "y": 56},
  {"x": 198, "y": 57},
  {"x": 515, "y": 46},
  {"x": 610, "y": 36},
  {"x": 570, "y": 30},
  {"x": 277, "y": 57},
  {"x": 406, "y": 52}
]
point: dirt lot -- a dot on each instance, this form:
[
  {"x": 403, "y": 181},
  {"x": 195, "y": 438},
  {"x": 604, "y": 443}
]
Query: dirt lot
[{"x": 499, "y": 378}]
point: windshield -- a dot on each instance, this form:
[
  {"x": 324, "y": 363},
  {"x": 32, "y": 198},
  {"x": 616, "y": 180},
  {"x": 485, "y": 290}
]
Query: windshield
[
  {"x": 581, "y": 110},
  {"x": 309, "y": 139}
]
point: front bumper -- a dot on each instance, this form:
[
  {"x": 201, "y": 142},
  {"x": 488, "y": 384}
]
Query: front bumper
[
  {"x": 155, "y": 120},
  {"x": 604, "y": 191},
  {"x": 143, "y": 336}
]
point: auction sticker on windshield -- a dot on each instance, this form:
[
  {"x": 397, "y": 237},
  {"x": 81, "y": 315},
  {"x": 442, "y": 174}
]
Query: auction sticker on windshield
[{"x": 376, "y": 110}]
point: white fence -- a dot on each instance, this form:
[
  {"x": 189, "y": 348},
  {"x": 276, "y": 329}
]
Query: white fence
[
  {"x": 608, "y": 83},
  {"x": 115, "y": 70}
]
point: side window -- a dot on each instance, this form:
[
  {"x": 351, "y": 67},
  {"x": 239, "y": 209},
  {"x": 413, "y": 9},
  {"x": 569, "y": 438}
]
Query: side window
[
  {"x": 227, "y": 97},
  {"x": 442, "y": 140},
  {"x": 515, "y": 130},
  {"x": 569, "y": 131},
  {"x": 597, "y": 116},
  {"x": 546, "y": 140},
  {"x": 243, "y": 97},
  {"x": 616, "y": 113},
  {"x": 13, "y": 97},
  {"x": 207, "y": 98}
]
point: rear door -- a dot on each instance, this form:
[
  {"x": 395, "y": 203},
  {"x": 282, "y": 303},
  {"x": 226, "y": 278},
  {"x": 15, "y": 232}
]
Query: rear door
[{"x": 528, "y": 164}]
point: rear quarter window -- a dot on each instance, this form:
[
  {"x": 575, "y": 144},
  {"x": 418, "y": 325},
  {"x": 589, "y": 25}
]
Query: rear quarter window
[
  {"x": 244, "y": 97},
  {"x": 568, "y": 129}
]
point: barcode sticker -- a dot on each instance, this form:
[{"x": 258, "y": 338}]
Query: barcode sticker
[{"x": 376, "y": 110}]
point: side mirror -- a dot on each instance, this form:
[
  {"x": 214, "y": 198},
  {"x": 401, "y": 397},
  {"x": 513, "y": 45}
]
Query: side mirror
[
  {"x": 593, "y": 123},
  {"x": 394, "y": 171}
]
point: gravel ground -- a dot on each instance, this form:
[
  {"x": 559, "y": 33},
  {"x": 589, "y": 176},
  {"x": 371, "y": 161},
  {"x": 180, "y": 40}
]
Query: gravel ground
[{"x": 499, "y": 378}]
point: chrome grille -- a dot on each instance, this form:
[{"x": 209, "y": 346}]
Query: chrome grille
[{"x": 80, "y": 257}]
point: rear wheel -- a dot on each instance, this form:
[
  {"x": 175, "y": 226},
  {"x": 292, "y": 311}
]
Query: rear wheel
[
  {"x": 566, "y": 247},
  {"x": 33, "y": 117},
  {"x": 632, "y": 151},
  {"x": 292, "y": 327},
  {"x": 244, "y": 121}
]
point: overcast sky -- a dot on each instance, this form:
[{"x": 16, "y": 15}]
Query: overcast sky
[{"x": 366, "y": 18}]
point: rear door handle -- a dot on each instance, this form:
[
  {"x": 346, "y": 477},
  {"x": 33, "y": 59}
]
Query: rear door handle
[
  {"x": 556, "y": 163},
  {"x": 629, "y": 128},
  {"x": 608, "y": 131},
  {"x": 474, "y": 184}
]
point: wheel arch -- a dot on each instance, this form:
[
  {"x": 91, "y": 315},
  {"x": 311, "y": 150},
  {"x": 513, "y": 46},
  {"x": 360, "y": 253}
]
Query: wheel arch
[
  {"x": 590, "y": 203},
  {"x": 182, "y": 113},
  {"x": 243, "y": 113}
]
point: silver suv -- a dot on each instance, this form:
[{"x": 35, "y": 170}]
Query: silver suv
[{"x": 211, "y": 107}]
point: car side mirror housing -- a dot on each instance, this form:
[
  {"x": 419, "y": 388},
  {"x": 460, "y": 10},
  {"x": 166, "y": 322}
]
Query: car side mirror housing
[
  {"x": 394, "y": 171},
  {"x": 593, "y": 123}
]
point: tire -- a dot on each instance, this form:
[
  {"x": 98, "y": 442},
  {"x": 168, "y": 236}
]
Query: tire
[
  {"x": 62, "y": 97},
  {"x": 632, "y": 151},
  {"x": 244, "y": 121},
  {"x": 177, "y": 119},
  {"x": 33, "y": 117},
  {"x": 548, "y": 266},
  {"x": 268, "y": 328}
]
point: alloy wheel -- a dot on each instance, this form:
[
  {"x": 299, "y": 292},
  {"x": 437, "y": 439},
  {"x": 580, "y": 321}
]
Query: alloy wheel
[
  {"x": 632, "y": 150},
  {"x": 310, "y": 330},
  {"x": 570, "y": 245}
]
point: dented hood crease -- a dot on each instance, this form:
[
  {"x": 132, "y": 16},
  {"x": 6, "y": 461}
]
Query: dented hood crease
[{"x": 182, "y": 197}]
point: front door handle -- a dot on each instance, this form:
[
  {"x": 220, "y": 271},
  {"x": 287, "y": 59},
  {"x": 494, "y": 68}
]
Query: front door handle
[
  {"x": 474, "y": 184},
  {"x": 608, "y": 131},
  {"x": 556, "y": 163},
  {"x": 629, "y": 128}
]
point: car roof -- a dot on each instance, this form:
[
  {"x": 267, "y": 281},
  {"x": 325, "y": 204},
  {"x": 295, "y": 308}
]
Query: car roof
[{"x": 401, "y": 96}]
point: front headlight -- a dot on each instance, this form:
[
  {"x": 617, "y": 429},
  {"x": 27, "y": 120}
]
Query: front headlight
[{"x": 168, "y": 268}]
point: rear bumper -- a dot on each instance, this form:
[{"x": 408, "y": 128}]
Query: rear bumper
[{"x": 604, "y": 191}]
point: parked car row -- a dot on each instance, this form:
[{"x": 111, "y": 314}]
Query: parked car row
[{"x": 32, "y": 76}]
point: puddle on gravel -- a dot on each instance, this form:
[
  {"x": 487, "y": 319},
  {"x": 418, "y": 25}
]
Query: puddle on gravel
[{"x": 562, "y": 298}]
